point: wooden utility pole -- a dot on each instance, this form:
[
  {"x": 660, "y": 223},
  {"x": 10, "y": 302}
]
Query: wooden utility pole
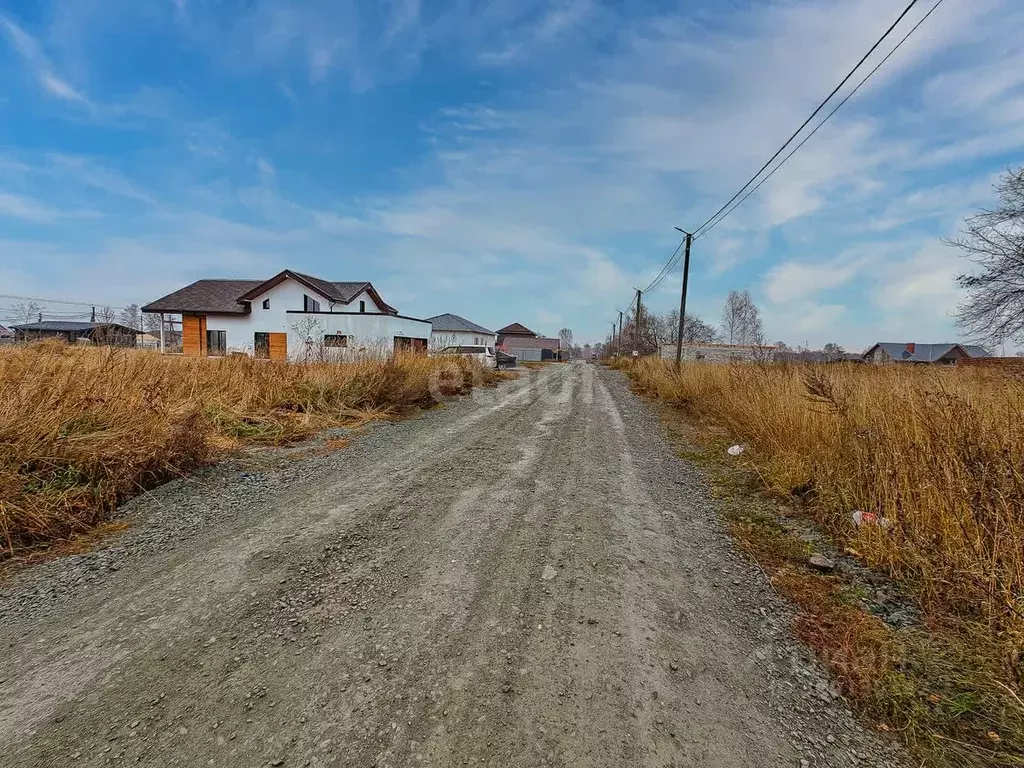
[
  {"x": 682, "y": 300},
  {"x": 618, "y": 348},
  {"x": 636, "y": 329},
  {"x": 613, "y": 335}
]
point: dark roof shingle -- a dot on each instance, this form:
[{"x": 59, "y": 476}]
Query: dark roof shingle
[
  {"x": 215, "y": 296},
  {"x": 64, "y": 326},
  {"x": 517, "y": 329},
  {"x": 452, "y": 323}
]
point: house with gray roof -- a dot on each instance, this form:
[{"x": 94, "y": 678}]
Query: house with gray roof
[
  {"x": 450, "y": 330},
  {"x": 947, "y": 353},
  {"x": 76, "y": 332},
  {"x": 291, "y": 315}
]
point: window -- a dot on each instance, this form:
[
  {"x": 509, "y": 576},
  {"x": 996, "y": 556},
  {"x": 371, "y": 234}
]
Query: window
[
  {"x": 216, "y": 343},
  {"x": 362, "y": 306},
  {"x": 261, "y": 344},
  {"x": 266, "y": 303},
  {"x": 310, "y": 305},
  {"x": 335, "y": 340}
]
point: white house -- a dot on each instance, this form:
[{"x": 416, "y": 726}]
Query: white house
[
  {"x": 290, "y": 316},
  {"x": 453, "y": 331}
]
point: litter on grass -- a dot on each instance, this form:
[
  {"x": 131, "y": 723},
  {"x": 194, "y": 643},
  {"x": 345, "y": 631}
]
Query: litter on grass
[
  {"x": 870, "y": 518},
  {"x": 735, "y": 450}
]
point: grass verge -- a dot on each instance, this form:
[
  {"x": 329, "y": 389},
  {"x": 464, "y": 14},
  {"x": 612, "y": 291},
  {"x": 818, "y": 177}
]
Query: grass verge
[
  {"x": 937, "y": 453},
  {"x": 83, "y": 429}
]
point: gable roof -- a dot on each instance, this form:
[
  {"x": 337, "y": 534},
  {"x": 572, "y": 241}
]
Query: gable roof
[
  {"x": 215, "y": 296},
  {"x": 517, "y": 329},
  {"x": 232, "y": 297},
  {"x": 926, "y": 353},
  {"x": 450, "y": 322}
]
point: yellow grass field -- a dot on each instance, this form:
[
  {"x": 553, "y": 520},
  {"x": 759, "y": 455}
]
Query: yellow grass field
[
  {"x": 82, "y": 429},
  {"x": 939, "y": 454}
]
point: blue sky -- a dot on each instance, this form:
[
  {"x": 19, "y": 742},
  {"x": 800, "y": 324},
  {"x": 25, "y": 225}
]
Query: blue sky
[{"x": 506, "y": 161}]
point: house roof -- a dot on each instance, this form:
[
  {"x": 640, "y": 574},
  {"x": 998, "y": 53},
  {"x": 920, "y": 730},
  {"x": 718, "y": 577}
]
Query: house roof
[
  {"x": 531, "y": 342},
  {"x": 450, "y": 322},
  {"x": 64, "y": 326},
  {"x": 926, "y": 353},
  {"x": 216, "y": 296},
  {"x": 232, "y": 296},
  {"x": 4, "y": 331},
  {"x": 516, "y": 329}
]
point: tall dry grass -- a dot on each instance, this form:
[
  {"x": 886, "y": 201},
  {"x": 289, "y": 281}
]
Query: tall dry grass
[
  {"x": 939, "y": 452},
  {"x": 82, "y": 429}
]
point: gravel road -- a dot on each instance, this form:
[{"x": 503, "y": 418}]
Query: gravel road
[{"x": 527, "y": 576}]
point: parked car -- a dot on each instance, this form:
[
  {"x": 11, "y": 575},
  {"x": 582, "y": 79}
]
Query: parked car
[
  {"x": 486, "y": 356},
  {"x": 505, "y": 360}
]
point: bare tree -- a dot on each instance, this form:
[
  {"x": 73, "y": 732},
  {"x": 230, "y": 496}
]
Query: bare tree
[
  {"x": 833, "y": 352},
  {"x": 741, "y": 319},
  {"x": 993, "y": 309},
  {"x": 26, "y": 313},
  {"x": 131, "y": 317},
  {"x": 106, "y": 315},
  {"x": 732, "y": 316},
  {"x": 565, "y": 340},
  {"x": 151, "y": 323}
]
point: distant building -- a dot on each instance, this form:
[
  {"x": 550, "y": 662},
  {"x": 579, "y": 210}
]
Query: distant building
[
  {"x": 720, "y": 353},
  {"x": 450, "y": 330},
  {"x": 516, "y": 339},
  {"x": 947, "y": 353},
  {"x": 109, "y": 334}
]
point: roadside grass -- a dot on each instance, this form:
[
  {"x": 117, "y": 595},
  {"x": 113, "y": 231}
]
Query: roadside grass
[
  {"x": 940, "y": 455},
  {"x": 84, "y": 429}
]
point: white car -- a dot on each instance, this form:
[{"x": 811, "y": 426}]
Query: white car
[{"x": 483, "y": 355}]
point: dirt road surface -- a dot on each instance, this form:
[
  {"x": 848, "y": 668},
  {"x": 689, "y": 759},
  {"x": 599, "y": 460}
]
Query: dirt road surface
[{"x": 525, "y": 577}]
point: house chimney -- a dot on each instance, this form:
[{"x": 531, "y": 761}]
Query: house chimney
[{"x": 910, "y": 347}]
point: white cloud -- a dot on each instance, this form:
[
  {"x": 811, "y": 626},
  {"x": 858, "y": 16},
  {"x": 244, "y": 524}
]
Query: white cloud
[
  {"x": 39, "y": 64},
  {"x": 790, "y": 280}
]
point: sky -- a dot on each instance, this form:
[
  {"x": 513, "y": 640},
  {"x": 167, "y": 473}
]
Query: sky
[{"x": 506, "y": 161}]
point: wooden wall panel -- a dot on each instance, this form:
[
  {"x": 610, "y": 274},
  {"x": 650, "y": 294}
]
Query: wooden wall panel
[
  {"x": 279, "y": 346},
  {"x": 193, "y": 335}
]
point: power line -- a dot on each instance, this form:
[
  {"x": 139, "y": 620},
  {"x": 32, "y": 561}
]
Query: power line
[
  {"x": 58, "y": 301},
  {"x": 697, "y": 232},
  {"x": 824, "y": 120},
  {"x": 673, "y": 260}
]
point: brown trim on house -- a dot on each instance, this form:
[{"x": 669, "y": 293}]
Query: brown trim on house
[
  {"x": 361, "y": 314},
  {"x": 279, "y": 278}
]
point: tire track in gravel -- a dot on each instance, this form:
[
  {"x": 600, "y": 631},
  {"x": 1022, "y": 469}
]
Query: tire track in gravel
[{"x": 514, "y": 580}]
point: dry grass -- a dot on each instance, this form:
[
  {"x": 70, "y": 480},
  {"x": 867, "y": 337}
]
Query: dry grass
[
  {"x": 940, "y": 454},
  {"x": 84, "y": 429}
]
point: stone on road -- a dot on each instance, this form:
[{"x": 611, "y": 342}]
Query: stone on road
[{"x": 525, "y": 577}]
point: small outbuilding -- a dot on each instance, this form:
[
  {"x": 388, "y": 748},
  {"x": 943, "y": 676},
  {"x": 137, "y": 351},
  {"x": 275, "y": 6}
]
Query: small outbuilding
[{"x": 74, "y": 332}]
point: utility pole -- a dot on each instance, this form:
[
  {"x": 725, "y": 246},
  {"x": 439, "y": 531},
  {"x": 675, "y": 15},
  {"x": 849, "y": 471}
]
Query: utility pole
[
  {"x": 613, "y": 334},
  {"x": 618, "y": 347},
  {"x": 682, "y": 299},
  {"x": 636, "y": 330}
]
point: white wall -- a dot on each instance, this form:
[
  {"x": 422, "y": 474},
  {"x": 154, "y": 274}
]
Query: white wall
[
  {"x": 370, "y": 330},
  {"x": 440, "y": 339}
]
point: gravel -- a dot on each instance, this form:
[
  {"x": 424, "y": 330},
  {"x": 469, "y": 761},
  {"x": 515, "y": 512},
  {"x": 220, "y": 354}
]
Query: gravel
[{"x": 527, "y": 576}]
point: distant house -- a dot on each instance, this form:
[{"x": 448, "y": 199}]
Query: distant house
[
  {"x": 290, "y": 315},
  {"x": 450, "y": 330},
  {"x": 6, "y": 333},
  {"x": 516, "y": 339},
  {"x": 720, "y": 353},
  {"x": 109, "y": 334},
  {"x": 947, "y": 353}
]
